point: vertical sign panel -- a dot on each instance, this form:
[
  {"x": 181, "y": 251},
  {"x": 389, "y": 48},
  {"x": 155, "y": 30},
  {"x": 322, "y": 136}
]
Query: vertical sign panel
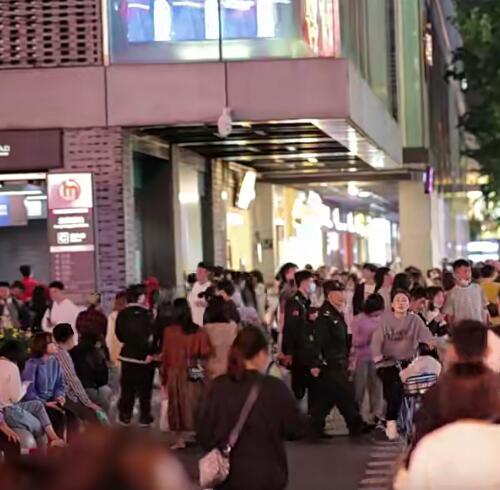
[{"x": 71, "y": 231}]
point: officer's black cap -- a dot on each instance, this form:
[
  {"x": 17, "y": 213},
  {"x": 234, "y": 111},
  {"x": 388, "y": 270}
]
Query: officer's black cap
[{"x": 330, "y": 286}]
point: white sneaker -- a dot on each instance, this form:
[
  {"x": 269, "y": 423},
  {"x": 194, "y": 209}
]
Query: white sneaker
[{"x": 391, "y": 430}]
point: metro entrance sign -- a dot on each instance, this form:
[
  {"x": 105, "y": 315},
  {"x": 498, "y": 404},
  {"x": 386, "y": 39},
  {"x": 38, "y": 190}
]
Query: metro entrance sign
[{"x": 71, "y": 231}]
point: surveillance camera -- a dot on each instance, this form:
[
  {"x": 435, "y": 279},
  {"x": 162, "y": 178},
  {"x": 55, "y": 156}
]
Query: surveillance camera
[{"x": 225, "y": 123}]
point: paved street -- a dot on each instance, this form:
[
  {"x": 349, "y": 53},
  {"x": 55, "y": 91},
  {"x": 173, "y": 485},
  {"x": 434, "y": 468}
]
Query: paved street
[{"x": 338, "y": 464}]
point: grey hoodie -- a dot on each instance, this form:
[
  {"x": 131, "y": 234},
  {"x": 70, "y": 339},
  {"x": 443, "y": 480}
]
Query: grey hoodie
[{"x": 397, "y": 339}]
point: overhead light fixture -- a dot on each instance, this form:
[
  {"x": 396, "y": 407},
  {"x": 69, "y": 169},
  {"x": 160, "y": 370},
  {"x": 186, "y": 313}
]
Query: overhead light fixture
[
  {"x": 22, "y": 177},
  {"x": 245, "y": 125},
  {"x": 323, "y": 184},
  {"x": 291, "y": 148},
  {"x": 21, "y": 193},
  {"x": 352, "y": 169},
  {"x": 312, "y": 160},
  {"x": 364, "y": 194},
  {"x": 36, "y": 198}
]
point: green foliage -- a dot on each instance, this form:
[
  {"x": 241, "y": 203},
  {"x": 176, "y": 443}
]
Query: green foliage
[
  {"x": 478, "y": 63},
  {"x": 11, "y": 333}
]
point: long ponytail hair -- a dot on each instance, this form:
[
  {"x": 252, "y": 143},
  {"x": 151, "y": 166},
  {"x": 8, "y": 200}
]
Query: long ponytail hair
[{"x": 248, "y": 343}]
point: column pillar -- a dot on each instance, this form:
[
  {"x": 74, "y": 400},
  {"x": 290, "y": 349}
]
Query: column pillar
[
  {"x": 102, "y": 151},
  {"x": 415, "y": 225},
  {"x": 262, "y": 210}
]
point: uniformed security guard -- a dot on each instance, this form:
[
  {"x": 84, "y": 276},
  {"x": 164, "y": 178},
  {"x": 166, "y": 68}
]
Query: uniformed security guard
[
  {"x": 329, "y": 368},
  {"x": 294, "y": 330}
]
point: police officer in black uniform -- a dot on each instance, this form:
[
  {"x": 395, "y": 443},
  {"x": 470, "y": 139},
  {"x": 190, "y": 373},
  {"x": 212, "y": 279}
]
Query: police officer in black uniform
[
  {"x": 329, "y": 367},
  {"x": 295, "y": 330}
]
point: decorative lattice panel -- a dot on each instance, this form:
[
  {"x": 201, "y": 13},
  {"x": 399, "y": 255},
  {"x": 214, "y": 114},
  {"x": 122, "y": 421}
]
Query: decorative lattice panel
[
  {"x": 101, "y": 151},
  {"x": 44, "y": 33}
]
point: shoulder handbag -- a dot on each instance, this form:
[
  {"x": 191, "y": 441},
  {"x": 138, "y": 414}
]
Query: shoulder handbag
[
  {"x": 194, "y": 368},
  {"x": 214, "y": 466}
]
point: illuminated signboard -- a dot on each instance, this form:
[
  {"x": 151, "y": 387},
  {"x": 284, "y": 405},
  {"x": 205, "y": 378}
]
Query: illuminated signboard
[{"x": 71, "y": 231}]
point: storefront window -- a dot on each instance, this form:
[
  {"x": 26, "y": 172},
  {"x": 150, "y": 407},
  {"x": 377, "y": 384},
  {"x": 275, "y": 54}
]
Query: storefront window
[{"x": 160, "y": 31}]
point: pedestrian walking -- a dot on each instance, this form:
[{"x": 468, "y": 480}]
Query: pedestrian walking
[
  {"x": 135, "y": 330},
  {"x": 296, "y": 311},
  {"x": 258, "y": 460},
  {"x": 221, "y": 332},
  {"x": 186, "y": 347},
  {"x": 366, "y": 381},
  {"x": 329, "y": 366}
]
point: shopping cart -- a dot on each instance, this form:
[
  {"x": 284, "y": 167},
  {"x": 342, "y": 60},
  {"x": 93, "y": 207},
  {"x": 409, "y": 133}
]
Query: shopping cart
[{"x": 414, "y": 389}]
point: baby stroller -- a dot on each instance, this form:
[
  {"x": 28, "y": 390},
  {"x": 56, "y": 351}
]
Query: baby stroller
[{"x": 414, "y": 389}]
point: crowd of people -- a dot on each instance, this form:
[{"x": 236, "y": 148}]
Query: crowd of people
[{"x": 344, "y": 339}]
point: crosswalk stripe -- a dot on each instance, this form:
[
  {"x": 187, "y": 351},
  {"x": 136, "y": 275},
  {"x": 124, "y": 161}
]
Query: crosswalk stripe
[{"x": 380, "y": 467}]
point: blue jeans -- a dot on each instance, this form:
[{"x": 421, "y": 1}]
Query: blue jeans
[{"x": 30, "y": 416}]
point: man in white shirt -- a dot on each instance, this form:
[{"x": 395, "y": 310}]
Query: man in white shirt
[
  {"x": 63, "y": 310},
  {"x": 466, "y": 301},
  {"x": 197, "y": 304}
]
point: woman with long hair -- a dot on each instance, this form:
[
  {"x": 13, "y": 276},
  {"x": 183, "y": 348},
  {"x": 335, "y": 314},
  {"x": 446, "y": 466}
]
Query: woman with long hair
[
  {"x": 258, "y": 460},
  {"x": 38, "y": 306},
  {"x": 401, "y": 282},
  {"x": 186, "y": 347},
  {"x": 394, "y": 344},
  {"x": 221, "y": 331},
  {"x": 436, "y": 321}
]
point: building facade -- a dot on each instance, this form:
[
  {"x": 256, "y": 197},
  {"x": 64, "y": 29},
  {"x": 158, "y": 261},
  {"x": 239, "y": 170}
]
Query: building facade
[{"x": 326, "y": 110}]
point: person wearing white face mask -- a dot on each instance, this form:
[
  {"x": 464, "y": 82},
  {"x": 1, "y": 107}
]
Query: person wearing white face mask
[{"x": 466, "y": 301}]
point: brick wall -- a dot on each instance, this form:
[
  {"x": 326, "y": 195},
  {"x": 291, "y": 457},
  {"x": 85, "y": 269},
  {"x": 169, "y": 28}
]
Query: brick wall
[{"x": 104, "y": 151}]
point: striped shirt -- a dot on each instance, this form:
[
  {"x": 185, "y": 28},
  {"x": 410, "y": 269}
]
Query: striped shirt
[{"x": 74, "y": 388}]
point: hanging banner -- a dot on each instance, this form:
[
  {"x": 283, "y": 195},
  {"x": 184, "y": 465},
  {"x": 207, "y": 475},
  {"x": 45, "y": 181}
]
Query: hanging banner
[{"x": 71, "y": 231}]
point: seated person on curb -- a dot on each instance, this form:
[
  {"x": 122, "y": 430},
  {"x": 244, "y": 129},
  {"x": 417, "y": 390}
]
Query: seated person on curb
[
  {"x": 9, "y": 440},
  {"x": 91, "y": 365},
  {"x": 27, "y": 415},
  {"x": 46, "y": 382},
  {"x": 77, "y": 399}
]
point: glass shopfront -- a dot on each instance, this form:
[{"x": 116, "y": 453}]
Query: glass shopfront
[{"x": 160, "y": 31}]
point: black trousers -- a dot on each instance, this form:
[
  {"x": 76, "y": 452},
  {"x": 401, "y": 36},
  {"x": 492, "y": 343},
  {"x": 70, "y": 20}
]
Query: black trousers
[
  {"x": 136, "y": 381},
  {"x": 392, "y": 389},
  {"x": 333, "y": 389},
  {"x": 299, "y": 380}
]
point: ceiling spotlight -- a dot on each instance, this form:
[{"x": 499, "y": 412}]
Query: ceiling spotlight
[
  {"x": 352, "y": 169},
  {"x": 323, "y": 184},
  {"x": 291, "y": 148},
  {"x": 312, "y": 160},
  {"x": 364, "y": 194}
]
